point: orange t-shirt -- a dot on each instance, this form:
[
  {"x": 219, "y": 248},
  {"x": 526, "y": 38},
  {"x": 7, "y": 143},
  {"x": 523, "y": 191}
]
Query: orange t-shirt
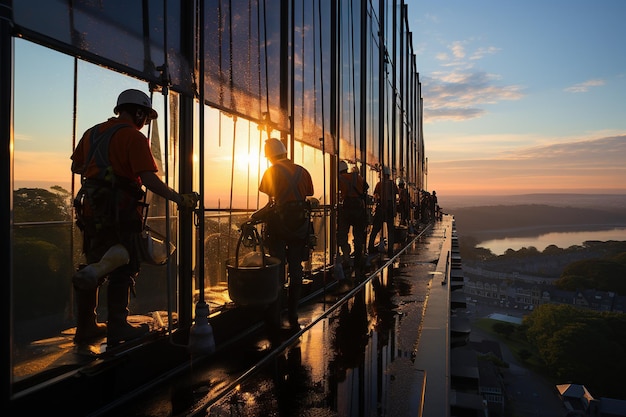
[
  {"x": 352, "y": 185},
  {"x": 129, "y": 153},
  {"x": 386, "y": 191},
  {"x": 286, "y": 181}
]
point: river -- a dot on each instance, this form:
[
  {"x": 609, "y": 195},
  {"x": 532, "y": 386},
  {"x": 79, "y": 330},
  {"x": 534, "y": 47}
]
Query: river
[{"x": 560, "y": 239}]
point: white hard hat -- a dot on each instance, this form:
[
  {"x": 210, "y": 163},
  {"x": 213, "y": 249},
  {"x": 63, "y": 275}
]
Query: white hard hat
[
  {"x": 138, "y": 98},
  {"x": 274, "y": 147},
  {"x": 386, "y": 170},
  {"x": 343, "y": 166}
]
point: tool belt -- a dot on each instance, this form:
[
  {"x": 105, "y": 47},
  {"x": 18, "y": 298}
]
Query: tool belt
[
  {"x": 353, "y": 203},
  {"x": 101, "y": 205},
  {"x": 290, "y": 221}
]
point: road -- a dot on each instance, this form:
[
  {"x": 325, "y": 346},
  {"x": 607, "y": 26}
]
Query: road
[{"x": 529, "y": 394}]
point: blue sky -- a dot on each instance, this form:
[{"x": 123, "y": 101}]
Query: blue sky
[{"x": 522, "y": 96}]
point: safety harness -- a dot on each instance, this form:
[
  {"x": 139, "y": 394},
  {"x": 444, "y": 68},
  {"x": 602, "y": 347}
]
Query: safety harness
[
  {"x": 292, "y": 217},
  {"x": 354, "y": 197},
  {"x": 107, "y": 194}
]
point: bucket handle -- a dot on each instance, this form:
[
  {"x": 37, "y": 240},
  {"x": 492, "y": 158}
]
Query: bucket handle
[{"x": 250, "y": 233}]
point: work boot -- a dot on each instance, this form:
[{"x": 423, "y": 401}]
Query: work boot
[
  {"x": 118, "y": 328},
  {"x": 88, "y": 330},
  {"x": 293, "y": 300},
  {"x": 90, "y": 276}
]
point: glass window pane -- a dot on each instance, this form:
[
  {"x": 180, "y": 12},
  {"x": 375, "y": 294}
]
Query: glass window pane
[{"x": 46, "y": 244}]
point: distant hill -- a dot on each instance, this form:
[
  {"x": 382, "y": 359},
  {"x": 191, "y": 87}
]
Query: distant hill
[
  {"x": 610, "y": 202},
  {"x": 529, "y": 219}
]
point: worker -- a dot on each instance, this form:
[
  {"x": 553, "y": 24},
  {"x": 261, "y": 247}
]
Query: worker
[
  {"x": 404, "y": 203},
  {"x": 352, "y": 213},
  {"x": 115, "y": 162},
  {"x": 385, "y": 193},
  {"x": 287, "y": 227}
]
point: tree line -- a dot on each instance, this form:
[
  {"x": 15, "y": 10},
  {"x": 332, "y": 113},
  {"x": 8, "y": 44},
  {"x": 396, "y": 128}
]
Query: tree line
[{"x": 580, "y": 346}]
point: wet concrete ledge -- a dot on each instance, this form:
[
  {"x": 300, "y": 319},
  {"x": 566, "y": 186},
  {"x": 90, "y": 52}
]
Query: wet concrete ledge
[
  {"x": 423, "y": 391},
  {"x": 434, "y": 343}
]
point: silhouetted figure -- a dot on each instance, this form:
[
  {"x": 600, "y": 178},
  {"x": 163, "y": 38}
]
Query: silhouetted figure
[
  {"x": 114, "y": 161},
  {"x": 352, "y": 213},
  {"x": 385, "y": 194},
  {"x": 404, "y": 203},
  {"x": 287, "y": 185}
]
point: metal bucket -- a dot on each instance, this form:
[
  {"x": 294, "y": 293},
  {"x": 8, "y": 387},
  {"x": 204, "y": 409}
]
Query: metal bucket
[
  {"x": 401, "y": 233},
  {"x": 257, "y": 283},
  {"x": 254, "y": 285}
]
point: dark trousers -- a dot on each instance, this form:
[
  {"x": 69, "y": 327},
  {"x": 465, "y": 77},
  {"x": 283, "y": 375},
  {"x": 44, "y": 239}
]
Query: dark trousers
[
  {"x": 357, "y": 219},
  {"x": 382, "y": 216},
  {"x": 292, "y": 253}
]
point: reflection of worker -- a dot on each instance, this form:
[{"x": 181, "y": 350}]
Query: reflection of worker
[
  {"x": 351, "y": 213},
  {"x": 385, "y": 194},
  {"x": 404, "y": 203},
  {"x": 288, "y": 186},
  {"x": 114, "y": 161}
]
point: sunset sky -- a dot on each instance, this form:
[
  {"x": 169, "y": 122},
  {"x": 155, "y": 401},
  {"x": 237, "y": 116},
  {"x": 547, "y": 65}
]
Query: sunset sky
[
  {"x": 522, "y": 96},
  {"x": 519, "y": 97}
]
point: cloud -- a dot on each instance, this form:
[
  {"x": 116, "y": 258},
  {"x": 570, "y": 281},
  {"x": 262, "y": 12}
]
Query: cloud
[
  {"x": 452, "y": 113},
  {"x": 459, "y": 93},
  {"x": 481, "y": 52},
  {"x": 458, "y": 51},
  {"x": 607, "y": 152},
  {"x": 593, "y": 164},
  {"x": 584, "y": 87}
]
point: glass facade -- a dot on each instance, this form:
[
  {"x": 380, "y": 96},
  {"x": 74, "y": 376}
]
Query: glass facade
[{"x": 334, "y": 80}]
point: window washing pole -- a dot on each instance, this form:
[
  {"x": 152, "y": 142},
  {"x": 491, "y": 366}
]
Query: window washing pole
[
  {"x": 201, "y": 339},
  {"x": 165, "y": 163}
]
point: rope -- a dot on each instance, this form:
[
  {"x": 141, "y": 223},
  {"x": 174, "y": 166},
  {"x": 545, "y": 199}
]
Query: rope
[
  {"x": 319, "y": 15},
  {"x": 351, "y": 18},
  {"x": 232, "y": 180},
  {"x": 201, "y": 126},
  {"x": 267, "y": 88},
  {"x": 249, "y": 123},
  {"x": 302, "y": 117},
  {"x": 258, "y": 176}
]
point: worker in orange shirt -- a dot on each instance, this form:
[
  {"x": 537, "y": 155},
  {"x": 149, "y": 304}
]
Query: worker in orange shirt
[
  {"x": 352, "y": 213},
  {"x": 287, "y": 229},
  {"x": 114, "y": 161}
]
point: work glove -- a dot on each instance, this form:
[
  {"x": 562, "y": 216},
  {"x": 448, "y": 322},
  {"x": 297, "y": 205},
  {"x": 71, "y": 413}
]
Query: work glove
[
  {"x": 188, "y": 201},
  {"x": 248, "y": 223}
]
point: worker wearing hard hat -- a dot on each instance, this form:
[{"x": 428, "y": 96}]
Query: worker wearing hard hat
[
  {"x": 114, "y": 161},
  {"x": 404, "y": 203},
  {"x": 288, "y": 185},
  {"x": 385, "y": 193},
  {"x": 351, "y": 213}
]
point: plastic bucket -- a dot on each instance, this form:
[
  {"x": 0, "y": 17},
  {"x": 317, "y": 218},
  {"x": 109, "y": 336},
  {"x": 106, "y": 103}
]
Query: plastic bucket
[{"x": 254, "y": 285}]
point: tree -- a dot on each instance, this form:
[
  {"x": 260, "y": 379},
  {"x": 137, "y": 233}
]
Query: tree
[
  {"x": 39, "y": 205},
  {"x": 553, "y": 250},
  {"x": 503, "y": 328},
  {"x": 42, "y": 254},
  {"x": 599, "y": 274},
  {"x": 580, "y": 344}
]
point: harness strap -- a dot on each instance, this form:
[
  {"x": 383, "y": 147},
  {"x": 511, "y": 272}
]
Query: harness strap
[
  {"x": 99, "y": 150},
  {"x": 293, "y": 183},
  {"x": 353, "y": 184},
  {"x": 106, "y": 178}
]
